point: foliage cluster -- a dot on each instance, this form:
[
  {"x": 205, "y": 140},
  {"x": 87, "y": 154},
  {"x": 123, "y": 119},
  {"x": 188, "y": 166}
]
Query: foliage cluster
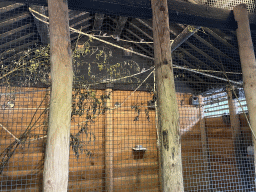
[{"x": 32, "y": 68}]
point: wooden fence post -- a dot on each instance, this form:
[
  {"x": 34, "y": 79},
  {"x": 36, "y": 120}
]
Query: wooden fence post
[
  {"x": 166, "y": 100},
  {"x": 56, "y": 165},
  {"x": 234, "y": 118},
  {"x": 204, "y": 144},
  {"x": 248, "y": 63},
  {"x": 109, "y": 140}
]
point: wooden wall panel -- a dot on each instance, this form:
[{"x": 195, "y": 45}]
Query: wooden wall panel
[{"x": 130, "y": 174}]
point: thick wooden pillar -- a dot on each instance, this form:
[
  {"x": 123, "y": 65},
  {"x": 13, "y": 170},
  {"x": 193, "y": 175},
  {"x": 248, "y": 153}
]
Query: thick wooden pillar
[
  {"x": 168, "y": 117},
  {"x": 56, "y": 165},
  {"x": 109, "y": 141},
  {"x": 248, "y": 63}
]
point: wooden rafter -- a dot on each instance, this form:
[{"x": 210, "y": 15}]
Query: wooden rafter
[
  {"x": 140, "y": 30},
  {"x": 15, "y": 50},
  {"x": 221, "y": 39},
  {"x": 216, "y": 63},
  {"x": 15, "y": 18},
  {"x": 139, "y": 46},
  {"x": 217, "y": 51},
  {"x": 136, "y": 44},
  {"x": 8, "y": 44},
  {"x": 195, "y": 58},
  {"x": 149, "y": 45},
  {"x": 9, "y": 6},
  {"x": 191, "y": 66},
  {"x": 181, "y": 38},
  {"x": 13, "y": 31}
]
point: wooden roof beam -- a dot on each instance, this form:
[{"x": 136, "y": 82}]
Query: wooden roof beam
[
  {"x": 179, "y": 11},
  {"x": 42, "y": 28}
]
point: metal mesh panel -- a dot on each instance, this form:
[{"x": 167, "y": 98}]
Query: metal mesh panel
[
  {"x": 115, "y": 139},
  {"x": 229, "y": 4}
]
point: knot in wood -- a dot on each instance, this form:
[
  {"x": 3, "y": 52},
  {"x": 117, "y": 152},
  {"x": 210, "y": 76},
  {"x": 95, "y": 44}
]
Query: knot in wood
[{"x": 162, "y": 8}]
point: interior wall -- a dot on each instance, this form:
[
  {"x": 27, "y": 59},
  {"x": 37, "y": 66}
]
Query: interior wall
[{"x": 133, "y": 124}]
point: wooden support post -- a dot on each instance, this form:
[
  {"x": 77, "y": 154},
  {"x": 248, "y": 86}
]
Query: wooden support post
[
  {"x": 248, "y": 63},
  {"x": 120, "y": 26},
  {"x": 42, "y": 28},
  {"x": 56, "y": 165},
  {"x": 204, "y": 141},
  {"x": 98, "y": 20},
  {"x": 166, "y": 100},
  {"x": 234, "y": 118},
  {"x": 235, "y": 128},
  {"x": 109, "y": 137}
]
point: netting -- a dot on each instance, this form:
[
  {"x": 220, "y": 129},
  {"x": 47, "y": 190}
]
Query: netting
[
  {"x": 229, "y": 4},
  {"x": 115, "y": 140}
]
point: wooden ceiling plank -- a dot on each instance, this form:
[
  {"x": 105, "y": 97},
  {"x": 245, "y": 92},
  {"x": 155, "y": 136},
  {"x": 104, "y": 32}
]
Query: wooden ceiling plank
[{"x": 146, "y": 23}]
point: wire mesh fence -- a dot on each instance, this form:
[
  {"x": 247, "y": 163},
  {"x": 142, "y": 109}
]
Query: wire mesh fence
[{"x": 115, "y": 139}]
